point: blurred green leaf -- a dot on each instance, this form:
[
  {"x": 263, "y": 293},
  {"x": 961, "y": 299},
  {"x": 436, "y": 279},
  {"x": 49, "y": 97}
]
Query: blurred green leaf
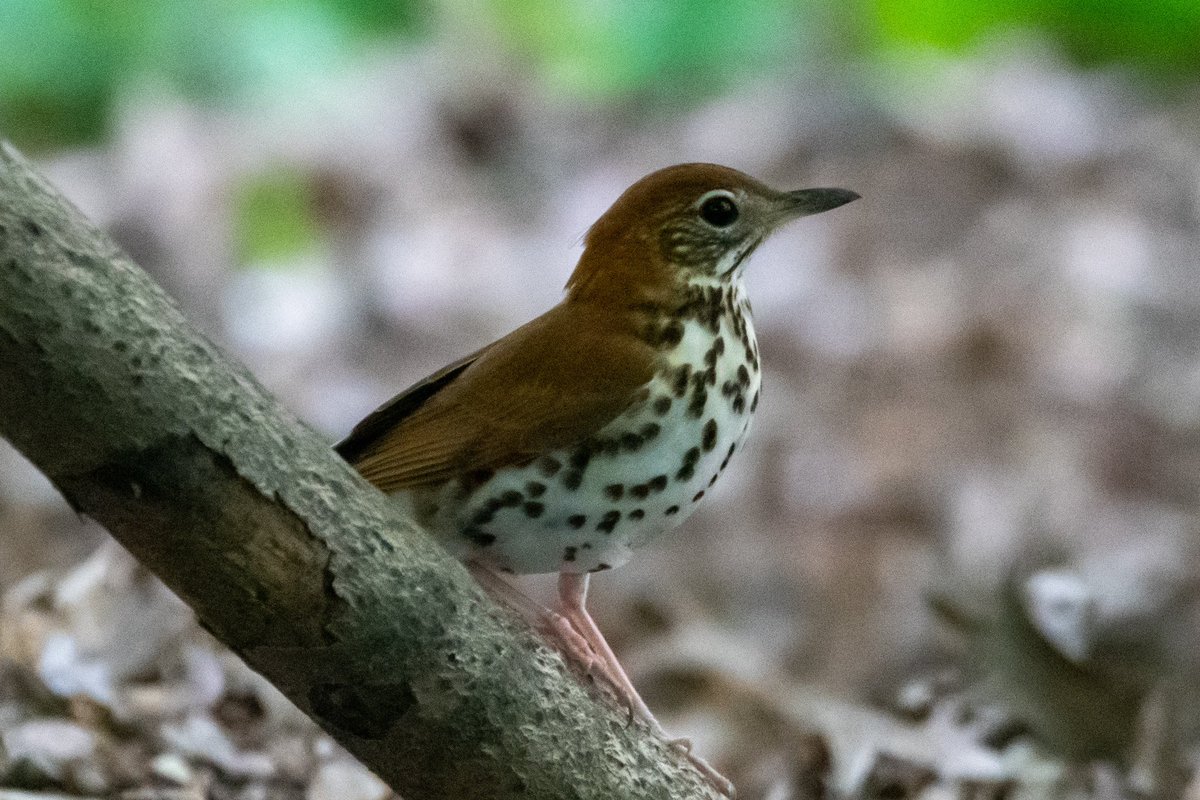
[
  {"x": 275, "y": 218},
  {"x": 381, "y": 17},
  {"x": 1159, "y": 35},
  {"x": 1156, "y": 36},
  {"x": 64, "y": 62},
  {"x": 52, "y": 73},
  {"x": 690, "y": 47}
]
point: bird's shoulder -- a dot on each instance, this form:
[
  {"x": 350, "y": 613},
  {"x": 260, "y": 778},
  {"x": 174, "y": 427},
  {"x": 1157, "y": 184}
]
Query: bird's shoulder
[{"x": 545, "y": 386}]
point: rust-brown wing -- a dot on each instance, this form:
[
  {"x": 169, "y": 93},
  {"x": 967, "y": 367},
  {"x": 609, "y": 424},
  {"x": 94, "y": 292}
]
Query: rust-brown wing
[
  {"x": 545, "y": 386},
  {"x": 374, "y": 426}
]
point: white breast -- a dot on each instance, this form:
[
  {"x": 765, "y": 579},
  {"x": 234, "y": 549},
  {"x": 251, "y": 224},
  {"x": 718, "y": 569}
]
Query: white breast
[{"x": 644, "y": 472}]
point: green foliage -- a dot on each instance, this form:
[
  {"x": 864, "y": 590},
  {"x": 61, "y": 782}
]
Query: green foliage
[
  {"x": 689, "y": 47},
  {"x": 64, "y": 62},
  {"x": 1160, "y": 37},
  {"x": 275, "y": 214},
  {"x": 378, "y": 17},
  {"x": 50, "y": 72}
]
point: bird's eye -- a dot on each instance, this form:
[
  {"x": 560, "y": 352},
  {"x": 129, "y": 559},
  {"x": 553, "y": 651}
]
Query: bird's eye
[{"x": 719, "y": 211}]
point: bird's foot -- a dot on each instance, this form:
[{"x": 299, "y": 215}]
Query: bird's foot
[
  {"x": 684, "y": 746},
  {"x": 681, "y": 743},
  {"x": 572, "y": 595},
  {"x": 710, "y": 773},
  {"x": 574, "y": 634},
  {"x": 573, "y": 647},
  {"x": 557, "y": 629}
]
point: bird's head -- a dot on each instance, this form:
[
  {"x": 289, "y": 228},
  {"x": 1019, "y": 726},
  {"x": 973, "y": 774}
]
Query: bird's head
[{"x": 688, "y": 222}]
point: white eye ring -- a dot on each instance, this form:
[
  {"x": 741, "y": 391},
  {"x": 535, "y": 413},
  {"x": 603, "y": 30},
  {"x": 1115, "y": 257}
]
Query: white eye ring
[{"x": 718, "y": 208}]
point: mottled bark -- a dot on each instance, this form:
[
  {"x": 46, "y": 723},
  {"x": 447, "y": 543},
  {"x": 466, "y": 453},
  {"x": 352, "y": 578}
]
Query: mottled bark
[{"x": 284, "y": 552}]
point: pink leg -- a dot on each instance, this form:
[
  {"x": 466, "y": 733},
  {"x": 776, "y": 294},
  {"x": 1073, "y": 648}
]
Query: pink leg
[
  {"x": 582, "y": 643},
  {"x": 572, "y": 597},
  {"x": 574, "y": 647}
]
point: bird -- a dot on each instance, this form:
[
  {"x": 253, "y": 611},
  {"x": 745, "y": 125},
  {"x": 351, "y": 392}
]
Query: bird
[{"x": 576, "y": 439}]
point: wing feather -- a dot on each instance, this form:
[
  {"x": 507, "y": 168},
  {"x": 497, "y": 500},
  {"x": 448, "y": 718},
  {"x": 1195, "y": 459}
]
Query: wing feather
[
  {"x": 366, "y": 433},
  {"x": 545, "y": 386}
]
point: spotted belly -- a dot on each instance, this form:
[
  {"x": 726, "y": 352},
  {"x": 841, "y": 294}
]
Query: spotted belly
[{"x": 588, "y": 507}]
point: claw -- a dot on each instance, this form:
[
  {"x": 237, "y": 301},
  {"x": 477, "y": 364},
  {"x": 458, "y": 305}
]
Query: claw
[
  {"x": 579, "y": 640},
  {"x": 572, "y": 593},
  {"x": 681, "y": 743}
]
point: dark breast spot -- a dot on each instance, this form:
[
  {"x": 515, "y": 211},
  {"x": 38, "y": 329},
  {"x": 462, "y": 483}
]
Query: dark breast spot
[
  {"x": 614, "y": 491},
  {"x": 671, "y": 511},
  {"x": 637, "y": 513},
  {"x": 662, "y": 405},
  {"x": 533, "y": 510},
  {"x": 511, "y": 499},
  {"x": 650, "y": 430},
  {"x": 712, "y": 309},
  {"x": 535, "y": 489},
  {"x": 479, "y": 537},
  {"x": 640, "y": 491},
  {"x": 549, "y": 466},
  {"x": 714, "y": 352},
  {"x": 658, "y": 483},
  {"x": 569, "y": 553},
  {"x": 609, "y": 521},
  {"x": 631, "y": 442},
  {"x": 688, "y": 469},
  {"x": 679, "y": 385},
  {"x": 580, "y": 457},
  {"x": 696, "y": 406},
  {"x": 697, "y": 496},
  {"x": 572, "y": 478},
  {"x": 672, "y": 333},
  {"x": 577, "y": 521},
  {"x": 709, "y": 440}
]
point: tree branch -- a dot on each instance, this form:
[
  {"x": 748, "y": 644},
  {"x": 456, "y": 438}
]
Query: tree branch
[{"x": 285, "y": 554}]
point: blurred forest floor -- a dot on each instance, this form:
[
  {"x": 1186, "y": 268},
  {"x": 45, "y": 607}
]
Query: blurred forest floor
[{"x": 959, "y": 556}]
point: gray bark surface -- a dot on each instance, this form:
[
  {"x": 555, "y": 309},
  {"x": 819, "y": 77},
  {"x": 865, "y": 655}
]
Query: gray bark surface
[{"x": 284, "y": 552}]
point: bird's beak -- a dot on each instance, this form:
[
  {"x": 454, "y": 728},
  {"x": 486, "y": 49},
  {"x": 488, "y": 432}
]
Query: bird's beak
[{"x": 804, "y": 202}]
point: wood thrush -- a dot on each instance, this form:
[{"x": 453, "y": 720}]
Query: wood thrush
[{"x": 582, "y": 435}]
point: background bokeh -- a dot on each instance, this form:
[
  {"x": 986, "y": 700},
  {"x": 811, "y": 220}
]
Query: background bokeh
[{"x": 960, "y": 552}]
